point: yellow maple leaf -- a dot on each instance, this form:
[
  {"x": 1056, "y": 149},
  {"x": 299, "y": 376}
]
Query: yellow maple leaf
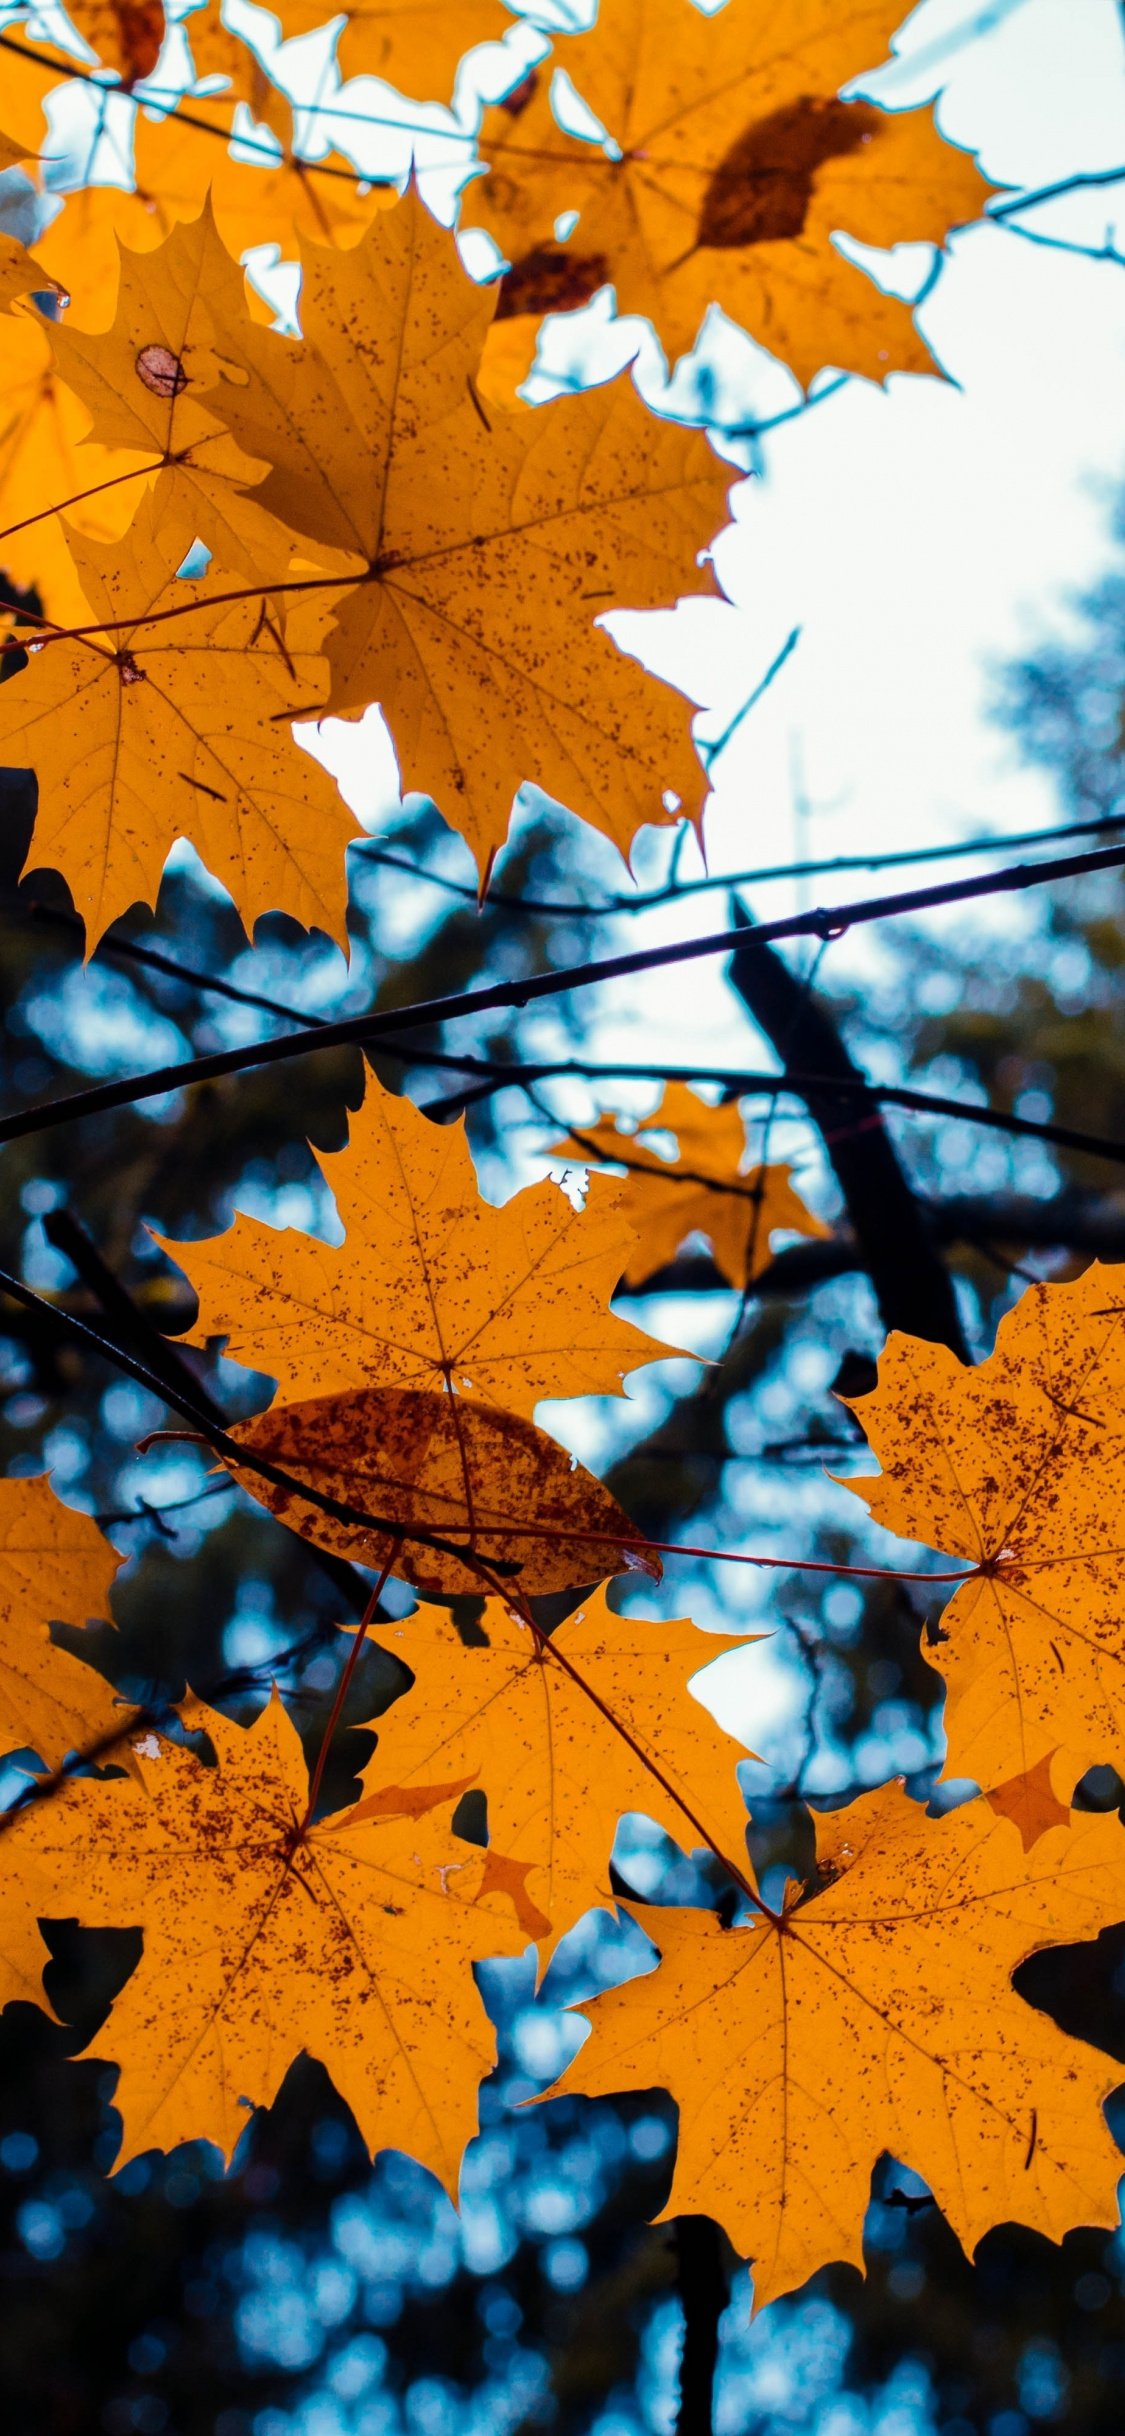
[
  {"x": 12, "y": 152},
  {"x": 449, "y": 1493},
  {"x": 43, "y": 461},
  {"x": 413, "y": 44},
  {"x": 878, "y": 2017},
  {"x": 731, "y": 167},
  {"x": 557, "y": 1771},
  {"x": 432, "y": 1287},
  {"x": 31, "y": 70},
  {"x": 1018, "y": 1465},
  {"x": 351, "y": 1942},
  {"x": 706, "y": 1189},
  {"x": 179, "y": 728},
  {"x": 20, "y": 274},
  {"x": 180, "y": 310},
  {"x": 55, "y": 1568},
  {"x": 181, "y": 165},
  {"x": 486, "y": 544}
]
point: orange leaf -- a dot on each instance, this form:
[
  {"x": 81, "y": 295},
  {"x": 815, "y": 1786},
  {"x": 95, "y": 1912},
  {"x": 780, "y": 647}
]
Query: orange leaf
[
  {"x": 412, "y": 44},
  {"x": 42, "y": 461},
  {"x": 486, "y": 545},
  {"x": 1030, "y": 1802},
  {"x": 878, "y": 2017},
  {"x": 487, "y": 1481},
  {"x": 433, "y": 1286},
  {"x": 181, "y": 308},
  {"x": 354, "y": 1944},
  {"x": 177, "y": 729},
  {"x": 732, "y": 166},
  {"x": 55, "y": 1568},
  {"x": 1018, "y": 1466},
  {"x": 704, "y": 1189},
  {"x": 565, "y": 1739}
]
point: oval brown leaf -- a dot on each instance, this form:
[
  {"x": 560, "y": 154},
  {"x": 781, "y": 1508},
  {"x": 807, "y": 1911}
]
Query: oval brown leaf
[{"x": 445, "y": 1466}]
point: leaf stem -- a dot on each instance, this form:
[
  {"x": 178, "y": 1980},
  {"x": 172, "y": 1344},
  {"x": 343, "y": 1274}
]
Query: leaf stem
[{"x": 342, "y": 1689}]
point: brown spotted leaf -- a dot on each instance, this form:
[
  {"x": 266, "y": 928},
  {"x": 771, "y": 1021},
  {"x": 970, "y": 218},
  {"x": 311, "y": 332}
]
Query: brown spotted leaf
[{"x": 430, "y": 1466}]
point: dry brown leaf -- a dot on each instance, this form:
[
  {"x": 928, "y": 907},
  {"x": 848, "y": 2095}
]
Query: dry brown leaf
[
  {"x": 483, "y": 1481},
  {"x": 733, "y": 166}
]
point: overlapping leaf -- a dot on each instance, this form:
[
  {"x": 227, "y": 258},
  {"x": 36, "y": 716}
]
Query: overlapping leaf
[
  {"x": 180, "y": 314},
  {"x": 558, "y": 1767},
  {"x": 433, "y": 1287},
  {"x": 446, "y": 1492},
  {"x": 731, "y": 167},
  {"x": 486, "y": 545},
  {"x": 706, "y": 1188},
  {"x": 166, "y": 728},
  {"x": 43, "y": 461},
  {"x": 354, "y": 1944},
  {"x": 55, "y": 1568},
  {"x": 1018, "y": 1466},
  {"x": 878, "y": 2017},
  {"x": 412, "y": 44}
]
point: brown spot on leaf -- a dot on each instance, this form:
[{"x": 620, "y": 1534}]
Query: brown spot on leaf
[
  {"x": 549, "y": 280},
  {"x": 161, "y": 371},
  {"x": 515, "y": 102},
  {"x": 763, "y": 188}
]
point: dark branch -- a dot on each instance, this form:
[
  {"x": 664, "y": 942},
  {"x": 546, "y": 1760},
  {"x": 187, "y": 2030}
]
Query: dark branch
[{"x": 825, "y": 923}]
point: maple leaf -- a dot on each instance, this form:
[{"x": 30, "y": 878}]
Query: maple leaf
[
  {"x": 55, "y": 1568},
  {"x": 12, "y": 152},
  {"x": 352, "y": 1942},
  {"x": 1018, "y": 1465},
  {"x": 180, "y": 307},
  {"x": 20, "y": 274},
  {"x": 30, "y": 74},
  {"x": 731, "y": 166},
  {"x": 501, "y": 1496},
  {"x": 704, "y": 1190},
  {"x": 878, "y": 2017},
  {"x": 557, "y": 1771},
  {"x": 432, "y": 1287},
  {"x": 413, "y": 44},
  {"x": 41, "y": 462},
  {"x": 176, "y": 729},
  {"x": 181, "y": 167},
  {"x": 486, "y": 545},
  {"x": 1030, "y": 1802}
]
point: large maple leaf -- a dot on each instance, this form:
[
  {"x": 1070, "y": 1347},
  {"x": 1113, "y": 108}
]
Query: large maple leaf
[
  {"x": 352, "y": 1941},
  {"x": 878, "y": 2017},
  {"x": 706, "y": 1189},
  {"x": 1018, "y": 1466},
  {"x": 731, "y": 166},
  {"x": 432, "y": 1287},
  {"x": 177, "y": 727},
  {"x": 55, "y": 1568},
  {"x": 414, "y": 44},
  {"x": 486, "y": 544},
  {"x": 43, "y": 460},
  {"x": 178, "y": 308},
  {"x": 558, "y": 1767},
  {"x": 449, "y": 1493}
]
